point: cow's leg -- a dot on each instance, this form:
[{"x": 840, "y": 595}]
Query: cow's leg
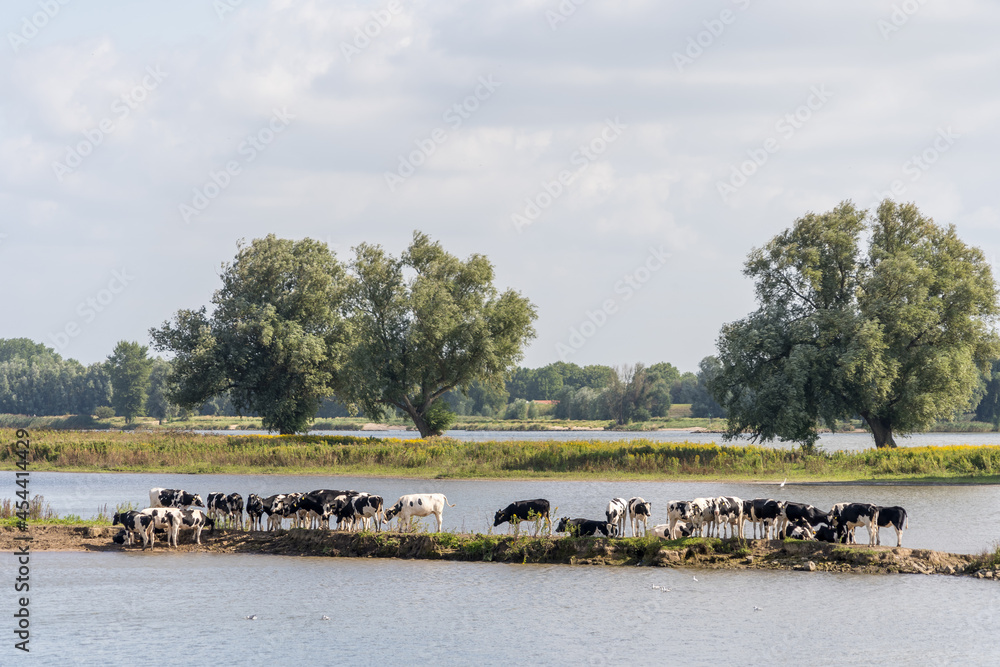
[{"x": 439, "y": 517}]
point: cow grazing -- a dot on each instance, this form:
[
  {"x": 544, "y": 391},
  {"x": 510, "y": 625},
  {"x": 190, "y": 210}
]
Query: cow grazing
[
  {"x": 617, "y": 512},
  {"x": 173, "y": 498},
  {"x": 417, "y": 505},
  {"x": 584, "y": 527},
  {"x": 134, "y": 523},
  {"x": 168, "y": 518},
  {"x": 255, "y": 509},
  {"x": 196, "y": 519},
  {"x": 536, "y": 510},
  {"x": 846, "y": 517},
  {"x": 639, "y": 512},
  {"x": 892, "y": 516}
]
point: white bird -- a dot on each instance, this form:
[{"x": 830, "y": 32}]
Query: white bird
[
  {"x": 252, "y": 617},
  {"x": 695, "y": 578},
  {"x": 664, "y": 590},
  {"x": 325, "y": 618},
  {"x": 756, "y": 608},
  {"x": 783, "y": 483}
]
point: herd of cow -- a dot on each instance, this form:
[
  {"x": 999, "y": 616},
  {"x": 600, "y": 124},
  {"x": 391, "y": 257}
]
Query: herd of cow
[{"x": 171, "y": 510}]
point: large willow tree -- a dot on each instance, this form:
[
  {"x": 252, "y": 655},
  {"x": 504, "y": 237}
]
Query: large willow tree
[{"x": 897, "y": 332}]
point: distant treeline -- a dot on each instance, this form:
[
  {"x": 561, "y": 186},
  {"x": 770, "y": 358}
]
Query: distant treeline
[{"x": 35, "y": 380}]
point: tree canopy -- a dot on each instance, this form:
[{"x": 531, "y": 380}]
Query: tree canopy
[
  {"x": 275, "y": 339},
  {"x": 897, "y": 333},
  {"x": 129, "y": 368},
  {"x": 423, "y": 324}
]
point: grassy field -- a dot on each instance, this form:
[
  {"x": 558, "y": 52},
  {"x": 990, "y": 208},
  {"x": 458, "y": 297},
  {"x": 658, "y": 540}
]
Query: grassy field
[{"x": 184, "y": 452}]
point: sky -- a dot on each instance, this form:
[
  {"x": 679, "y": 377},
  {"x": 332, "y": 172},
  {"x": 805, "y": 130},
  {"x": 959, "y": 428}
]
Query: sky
[{"x": 616, "y": 161}]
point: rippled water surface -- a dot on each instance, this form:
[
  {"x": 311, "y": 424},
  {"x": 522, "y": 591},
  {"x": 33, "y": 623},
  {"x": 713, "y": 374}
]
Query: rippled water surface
[{"x": 190, "y": 609}]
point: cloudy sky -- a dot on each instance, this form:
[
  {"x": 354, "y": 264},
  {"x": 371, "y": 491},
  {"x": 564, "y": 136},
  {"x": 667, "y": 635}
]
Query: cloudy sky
[{"x": 615, "y": 160}]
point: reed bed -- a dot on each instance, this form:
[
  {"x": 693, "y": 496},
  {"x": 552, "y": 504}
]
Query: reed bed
[{"x": 179, "y": 451}]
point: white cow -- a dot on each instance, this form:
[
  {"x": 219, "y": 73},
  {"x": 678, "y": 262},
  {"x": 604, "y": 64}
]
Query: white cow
[{"x": 417, "y": 505}]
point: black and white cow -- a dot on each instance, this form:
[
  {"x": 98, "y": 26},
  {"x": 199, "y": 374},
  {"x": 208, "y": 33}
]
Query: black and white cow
[
  {"x": 617, "y": 512},
  {"x": 892, "y": 516},
  {"x": 321, "y": 504},
  {"x": 167, "y": 518},
  {"x": 196, "y": 520},
  {"x": 173, "y": 498},
  {"x": 235, "y": 515},
  {"x": 796, "y": 530},
  {"x": 767, "y": 513},
  {"x": 414, "y": 505},
  {"x": 681, "y": 529},
  {"x": 273, "y": 508},
  {"x": 705, "y": 512},
  {"x": 367, "y": 509},
  {"x": 255, "y": 509},
  {"x": 134, "y": 523},
  {"x": 846, "y": 517},
  {"x": 121, "y": 537},
  {"x": 826, "y": 534},
  {"x": 730, "y": 514},
  {"x": 536, "y": 510},
  {"x": 216, "y": 505},
  {"x": 639, "y": 512},
  {"x": 801, "y": 512},
  {"x": 677, "y": 511},
  {"x": 584, "y": 527}
]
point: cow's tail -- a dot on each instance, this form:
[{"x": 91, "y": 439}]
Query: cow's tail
[{"x": 446, "y": 500}]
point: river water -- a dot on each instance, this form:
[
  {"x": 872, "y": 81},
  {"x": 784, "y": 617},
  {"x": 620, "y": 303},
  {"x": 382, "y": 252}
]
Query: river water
[
  {"x": 850, "y": 442},
  {"x": 173, "y": 609}
]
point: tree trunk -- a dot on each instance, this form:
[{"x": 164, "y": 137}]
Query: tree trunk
[
  {"x": 419, "y": 422},
  {"x": 881, "y": 429}
]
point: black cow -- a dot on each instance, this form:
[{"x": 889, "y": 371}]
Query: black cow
[
  {"x": 581, "y": 527},
  {"x": 892, "y": 516},
  {"x": 524, "y": 510},
  {"x": 135, "y": 523},
  {"x": 255, "y": 508},
  {"x": 845, "y": 517},
  {"x": 173, "y": 498}
]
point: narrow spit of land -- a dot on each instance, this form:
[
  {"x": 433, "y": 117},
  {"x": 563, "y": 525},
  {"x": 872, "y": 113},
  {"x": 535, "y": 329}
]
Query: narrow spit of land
[
  {"x": 185, "y": 452},
  {"x": 700, "y": 553}
]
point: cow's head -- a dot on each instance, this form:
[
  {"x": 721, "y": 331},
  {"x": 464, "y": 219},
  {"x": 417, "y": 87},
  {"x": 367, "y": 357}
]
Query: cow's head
[
  {"x": 197, "y": 501},
  {"x": 393, "y": 511},
  {"x": 561, "y": 528},
  {"x": 119, "y": 518},
  {"x": 499, "y": 518}
]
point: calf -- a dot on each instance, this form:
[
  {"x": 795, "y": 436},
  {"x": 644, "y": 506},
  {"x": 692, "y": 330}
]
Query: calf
[
  {"x": 536, "y": 510},
  {"x": 616, "y": 513},
  {"x": 134, "y": 523},
  {"x": 639, "y": 511},
  {"x": 846, "y": 517},
  {"x": 583, "y": 527},
  {"x": 892, "y": 516},
  {"x": 255, "y": 508},
  {"x": 417, "y": 505},
  {"x": 173, "y": 498}
]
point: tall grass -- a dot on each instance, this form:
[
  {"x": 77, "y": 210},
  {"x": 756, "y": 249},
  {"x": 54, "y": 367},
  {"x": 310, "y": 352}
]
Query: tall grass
[{"x": 187, "y": 452}]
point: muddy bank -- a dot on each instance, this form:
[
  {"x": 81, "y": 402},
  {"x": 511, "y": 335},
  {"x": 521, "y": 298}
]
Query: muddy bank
[{"x": 692, "y": 553}]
